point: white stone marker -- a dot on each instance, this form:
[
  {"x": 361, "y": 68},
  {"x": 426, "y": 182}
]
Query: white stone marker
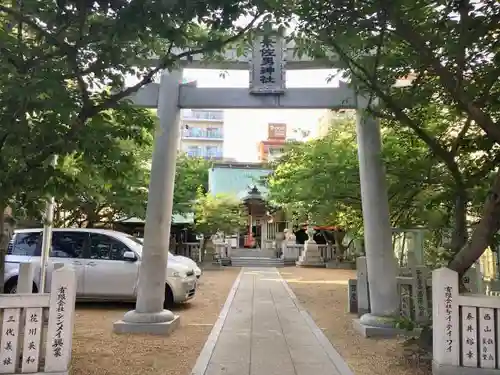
[
  {"x": 445, "y": 317},
  {"x": 61, "y": 320},
  {"x": 469, "y": 336},
  {"x": 32, "y": 339},
  {"x": 497, "y": 329},
  {"x": 487, "y": 357},
  {"x": 26, "y": 277},
  {"x": 10, "y": 338},
  {"x": 290, "y": 250}
]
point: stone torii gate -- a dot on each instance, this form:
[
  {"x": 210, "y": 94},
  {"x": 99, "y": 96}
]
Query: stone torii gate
[{"x": 267, "y": 89}]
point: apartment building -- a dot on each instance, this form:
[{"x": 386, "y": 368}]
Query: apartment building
[
  {"x": 202, "y": 133},
  {"x": 274, "y": 146}
]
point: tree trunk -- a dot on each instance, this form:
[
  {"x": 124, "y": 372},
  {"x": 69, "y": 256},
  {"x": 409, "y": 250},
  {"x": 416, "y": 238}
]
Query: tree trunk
[
  {"x": 459, "y": 235},
  {"x": 203, "y": 248},
  {"x": 339, "y": 238},
  {"x": 484, "y": 232}
]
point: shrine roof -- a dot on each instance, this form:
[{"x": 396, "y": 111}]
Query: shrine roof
[{"x": 237, "y": 178}]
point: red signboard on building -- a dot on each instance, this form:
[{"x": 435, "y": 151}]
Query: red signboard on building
[{"x": 276, "y": 131}]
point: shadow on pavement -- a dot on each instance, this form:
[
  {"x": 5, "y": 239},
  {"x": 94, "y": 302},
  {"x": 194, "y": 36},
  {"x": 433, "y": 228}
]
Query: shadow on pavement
[{"x": 111, "y": 305}]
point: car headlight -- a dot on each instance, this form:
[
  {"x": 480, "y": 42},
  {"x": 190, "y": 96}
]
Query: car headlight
[{"x": 178, "y": 274}]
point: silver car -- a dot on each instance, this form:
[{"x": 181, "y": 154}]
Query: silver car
[{"x": 106, "y": 264}]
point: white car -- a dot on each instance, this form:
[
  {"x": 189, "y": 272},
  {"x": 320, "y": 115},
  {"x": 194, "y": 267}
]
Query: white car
[
  {"x": 106, "y": 264},
  {"x": 181, "y": 259}
]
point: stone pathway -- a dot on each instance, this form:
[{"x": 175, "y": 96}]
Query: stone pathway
[{"x": 262, "y": 330}]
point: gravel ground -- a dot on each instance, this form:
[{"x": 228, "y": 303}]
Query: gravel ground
[
  {"x": 96, "y": 350},
  {"x": 323, "y": 292}
]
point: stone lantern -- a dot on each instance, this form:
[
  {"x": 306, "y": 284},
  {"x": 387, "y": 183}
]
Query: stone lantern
[{"x": 311, "y": 256}]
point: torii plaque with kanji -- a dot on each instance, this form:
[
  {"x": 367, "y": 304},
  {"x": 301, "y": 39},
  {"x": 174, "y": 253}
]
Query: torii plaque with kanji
[{"x": 267, "y": 66}]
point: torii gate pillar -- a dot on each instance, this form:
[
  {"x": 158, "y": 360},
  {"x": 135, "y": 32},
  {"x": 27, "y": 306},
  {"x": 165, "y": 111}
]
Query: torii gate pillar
[
  {"x": 381, "y": 263},
  {"x": 149, "y": 315}
]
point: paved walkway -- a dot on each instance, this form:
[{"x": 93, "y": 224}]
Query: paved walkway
[{"x": 262, "y": 330}]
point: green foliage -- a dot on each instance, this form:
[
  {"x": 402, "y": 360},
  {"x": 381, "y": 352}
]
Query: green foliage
[
  {"x": 110, "y": 180},
  {"x": 62, "y": 88},
  {"x": 310, "y": 178},
  {"x": 432, "y": 40},
  {"x": 191, "y": 175},
  {"x": 321, "y": 177},
  {"x": 106, "y": 194},
  {"x": 109, "y": 177},
  {"x": 111, "y": 187},
  {"x": 451, "y": 103},
  {"x": 64, "y": 66},
  {"x": 405, "y": 323},
  {"x": 218, "y": 213}
]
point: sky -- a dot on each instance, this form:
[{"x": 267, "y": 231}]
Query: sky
[{"x": 244, "y": 128}]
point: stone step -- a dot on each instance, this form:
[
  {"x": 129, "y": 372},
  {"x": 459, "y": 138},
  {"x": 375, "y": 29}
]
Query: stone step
[
  {"x": 252, "y": 253},
  {"x": 256, "y": 262},
  {"x": 258, "y": 265},
  {"x": 253, "y": 262}
]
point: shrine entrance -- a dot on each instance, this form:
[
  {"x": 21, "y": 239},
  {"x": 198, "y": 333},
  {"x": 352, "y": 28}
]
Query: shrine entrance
[
  {"x": 255, "y": 206},
  {"x": 267, "y": 62}
]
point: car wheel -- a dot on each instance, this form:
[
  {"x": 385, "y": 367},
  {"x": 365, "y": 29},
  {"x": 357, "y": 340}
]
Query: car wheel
[
  {"x": 169, "y": 297},
  {"x": 11, "y": 286}
]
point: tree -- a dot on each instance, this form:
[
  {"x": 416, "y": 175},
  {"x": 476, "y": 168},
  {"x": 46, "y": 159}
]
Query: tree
[
  {"x": 105, "y": 196},
  {"x": 64, "y": 66},
  {"x": 219, "y": 213},
  {"x": 66, "y": 62},
  {"x": 191, "y": 175},
  {"x": 321, "y": 177},
  {"x": 109, "y": 189},
  {"x": 110, "y": 176},
  {"x": 380, "y": 42}
]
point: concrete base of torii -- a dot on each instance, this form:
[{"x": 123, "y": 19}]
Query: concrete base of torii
[
  {"x": 375, "y": 326},
  {"x": 162, "y": 323}
]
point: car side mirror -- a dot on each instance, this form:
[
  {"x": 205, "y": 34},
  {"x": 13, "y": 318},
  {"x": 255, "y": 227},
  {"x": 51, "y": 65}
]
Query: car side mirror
[{"x": 129, "y": 256}]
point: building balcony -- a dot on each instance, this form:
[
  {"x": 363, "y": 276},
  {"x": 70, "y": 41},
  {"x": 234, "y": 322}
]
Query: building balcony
[
  {"x": 202, "y": 134},
  {"x": 217, "y": 155},
  {"x": 202, "y": 115}
]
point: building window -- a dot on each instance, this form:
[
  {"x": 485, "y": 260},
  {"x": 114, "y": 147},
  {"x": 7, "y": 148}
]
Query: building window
[
  {"x": 194, "y": 132},
  {"x": 214, "y": 133},
  {"x": 194, "y": 151},
  {"x": 200, "y": 114},
  {"x": 213, "y": 152}
]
